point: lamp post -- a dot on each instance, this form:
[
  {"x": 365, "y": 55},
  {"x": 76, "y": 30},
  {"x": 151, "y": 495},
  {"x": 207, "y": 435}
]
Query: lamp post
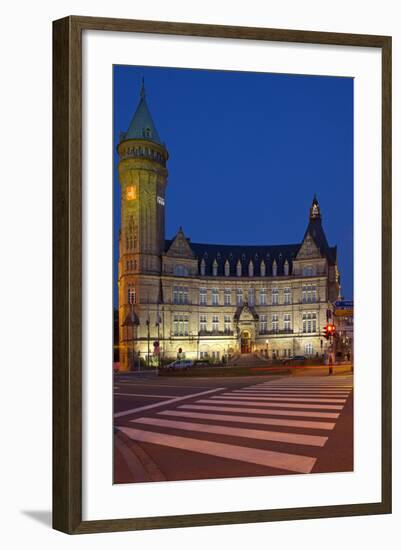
[{"x": 267, "y": 348}]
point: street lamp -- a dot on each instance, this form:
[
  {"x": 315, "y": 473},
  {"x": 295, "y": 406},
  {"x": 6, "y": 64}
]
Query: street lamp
[{"x": 267, "y": 348}]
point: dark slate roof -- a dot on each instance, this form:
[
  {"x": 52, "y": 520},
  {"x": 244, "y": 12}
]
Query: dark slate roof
[
  {"x": 244, "y": 253},
  {"x": 141, "y": 121}
]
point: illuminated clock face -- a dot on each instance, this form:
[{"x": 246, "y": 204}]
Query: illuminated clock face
[{"x": 131, "y": 193}]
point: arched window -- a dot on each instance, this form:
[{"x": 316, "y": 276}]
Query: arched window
[
  {"x": 239, "y": 268},
  {"x": 227, "y": 269},
  {"x": 203, "y": 267},
  {"x": 274, "y": 269},
  {"x": 250, "y": 269},
  {"x": 262, "y": 269},
  {"x": 214, "y": 268},
  {"x": 131, "y": 295},
  {"x": 309, "y": 271},
  {"x": 286, "y": 268}
]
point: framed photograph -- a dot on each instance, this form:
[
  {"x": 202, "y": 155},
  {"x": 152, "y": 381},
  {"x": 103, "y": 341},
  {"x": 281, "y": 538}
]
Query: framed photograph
[{"x": 221, "y": 275}]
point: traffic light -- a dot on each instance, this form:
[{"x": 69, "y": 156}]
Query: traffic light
[{"x": 329, "y": 330}]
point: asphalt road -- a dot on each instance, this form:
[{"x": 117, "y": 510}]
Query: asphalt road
[{"x": 206, "y": 428}]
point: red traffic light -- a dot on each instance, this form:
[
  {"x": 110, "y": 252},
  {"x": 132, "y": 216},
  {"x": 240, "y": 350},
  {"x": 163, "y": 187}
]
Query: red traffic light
[{"x": 329, "y": 330}]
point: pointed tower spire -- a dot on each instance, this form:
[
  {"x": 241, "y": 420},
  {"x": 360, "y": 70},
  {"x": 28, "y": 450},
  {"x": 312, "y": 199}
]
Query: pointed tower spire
[
  {"x": 143, "y": 93},
  {"x": 314, "y": 212},
  {"x": 142, "y": 125}
]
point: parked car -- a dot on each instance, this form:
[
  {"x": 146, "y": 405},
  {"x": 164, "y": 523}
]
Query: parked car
[
  {"x": 180, "y": 364},
  {"x": 202, "y": 363},
  {"x": 300, "y": 359}
]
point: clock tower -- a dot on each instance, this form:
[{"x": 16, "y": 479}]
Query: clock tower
[{"x": 143, "y": 178}]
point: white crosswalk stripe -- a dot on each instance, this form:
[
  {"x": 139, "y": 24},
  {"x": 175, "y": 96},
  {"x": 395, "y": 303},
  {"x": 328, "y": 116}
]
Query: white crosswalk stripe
[{"x": 294, "y": 413}]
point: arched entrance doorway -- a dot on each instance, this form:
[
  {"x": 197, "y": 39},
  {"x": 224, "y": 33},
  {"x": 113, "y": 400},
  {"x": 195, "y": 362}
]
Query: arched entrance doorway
[{"x": 246, "y": 343}]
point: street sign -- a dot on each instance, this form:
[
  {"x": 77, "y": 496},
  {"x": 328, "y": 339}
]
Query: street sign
[{"x": 344, "y": 304}]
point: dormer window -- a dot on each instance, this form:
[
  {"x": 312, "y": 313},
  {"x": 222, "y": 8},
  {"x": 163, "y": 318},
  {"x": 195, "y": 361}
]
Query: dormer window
[
  {"x": 239, "y": 269},
  {"x": 203, "y": 267},
  {"x": 227, "y": 269},
  {"x": 214, "y": 268},
  {"x": 147, "y": 133},
  {"x": 250, "y": 269},
  {"x": 262, "y": 269},
  {"x": 274, "y": 269},
  {"x": 286, "y": 268}
]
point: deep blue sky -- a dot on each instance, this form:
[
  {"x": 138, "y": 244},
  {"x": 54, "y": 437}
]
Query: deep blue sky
[{"x": 247, "y": 153}]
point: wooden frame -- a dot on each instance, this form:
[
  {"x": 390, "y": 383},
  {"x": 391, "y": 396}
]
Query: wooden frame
[{"x": 67, "y": 279}]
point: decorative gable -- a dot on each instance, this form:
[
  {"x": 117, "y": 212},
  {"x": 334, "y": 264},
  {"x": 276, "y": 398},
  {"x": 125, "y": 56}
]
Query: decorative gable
[
  {"x": 180, "y": 247},
  {"x": 308, "y": 249}
]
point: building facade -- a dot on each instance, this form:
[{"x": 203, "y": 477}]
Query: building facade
[{"x": 211, "y": 301}]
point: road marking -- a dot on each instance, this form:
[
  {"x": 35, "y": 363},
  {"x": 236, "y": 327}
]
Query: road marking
[
  {"x": 298, "y": 439},
  {"x": 161, "y": 403},
  {"x": 286, "y": 394},
  {"x": 309, "y": 424},
  {"x": 275, "y": 412},
  {"x": 295, "y": 399},
  {"x": 144, "y": 395},
  {"x": 162, "y": 385},
  {"x": 293, "y": 391},
  {"x": 272, "y": 459},
  {"x": 261, "y": 402}
]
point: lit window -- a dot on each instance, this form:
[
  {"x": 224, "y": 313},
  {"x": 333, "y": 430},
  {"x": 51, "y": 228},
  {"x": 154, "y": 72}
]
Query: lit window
[{"x": 131, "y": 193}]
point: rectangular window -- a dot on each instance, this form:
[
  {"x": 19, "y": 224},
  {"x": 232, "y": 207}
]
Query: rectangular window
[
  {"x": 287, "y": 295},
  {"x": 262, "y": 297},
  {"x": 180, "y": 295},
  {"x": 215, "y": 323},
  {"x": 251, "y": 297},
  {"x": 275, "y": 323},
  {"x": 202, "y": 323},
  {"x": 215, "y": 296},
  {"x": 309, "y": 294},
  {"x": 227, "y": 296},
  {"x": 274, "y": 296},
  {"x": 240, "y": 298},
  {"x": 308, "y": 349},
  {"x": 287, "y": 322},
  {"x": 309, "y": 322},
  {"x": 263, "y": 324},
  {"x": 202, "y": 297},
  {"x": 180, "y": 325},
  {"x": 227, "y": 324}
]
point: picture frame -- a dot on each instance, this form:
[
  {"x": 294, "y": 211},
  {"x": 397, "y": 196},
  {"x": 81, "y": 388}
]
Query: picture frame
[{"x": 67, "y": 274}]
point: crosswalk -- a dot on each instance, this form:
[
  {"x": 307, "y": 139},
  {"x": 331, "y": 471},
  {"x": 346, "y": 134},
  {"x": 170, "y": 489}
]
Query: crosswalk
[{"x": 248, "y": 424}]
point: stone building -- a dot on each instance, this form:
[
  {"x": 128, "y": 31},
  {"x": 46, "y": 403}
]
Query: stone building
[{"x": 210, "y": 300}]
